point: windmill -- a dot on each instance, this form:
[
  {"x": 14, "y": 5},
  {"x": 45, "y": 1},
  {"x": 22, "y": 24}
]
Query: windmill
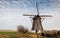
[{"x": 37, "y": 24}]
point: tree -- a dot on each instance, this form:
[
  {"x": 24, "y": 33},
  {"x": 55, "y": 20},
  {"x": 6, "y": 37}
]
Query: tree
[{"x": 22, "y": 29}]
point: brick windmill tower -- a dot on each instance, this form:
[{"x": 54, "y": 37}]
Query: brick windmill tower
[{"x": 37, "y": 23}]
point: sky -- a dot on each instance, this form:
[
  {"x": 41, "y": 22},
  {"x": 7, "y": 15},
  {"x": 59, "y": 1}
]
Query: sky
[{"x": 11, "y": 13}]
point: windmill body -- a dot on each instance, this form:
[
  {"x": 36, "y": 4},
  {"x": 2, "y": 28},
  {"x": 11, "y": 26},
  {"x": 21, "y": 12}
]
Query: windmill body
[{"x": 37, "y": 25}]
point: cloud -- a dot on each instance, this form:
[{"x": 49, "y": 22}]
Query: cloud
[
  {"x": 53, "y": 22},
  {"x": 11, "y": 14},
  {"x": 13, "y": 17},
  {"x": 14, "y": 4},
  {"x": 10, "y": 18}
]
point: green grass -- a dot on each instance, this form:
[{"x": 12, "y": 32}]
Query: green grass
[{"x": 14, "y": 34}]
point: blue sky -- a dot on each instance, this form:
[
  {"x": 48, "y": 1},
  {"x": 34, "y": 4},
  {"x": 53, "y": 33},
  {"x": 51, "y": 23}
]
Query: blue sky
[{"x": 11, "y": 13}]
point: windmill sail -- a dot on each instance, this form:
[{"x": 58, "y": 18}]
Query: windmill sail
[{"x": 37, "y": 8}]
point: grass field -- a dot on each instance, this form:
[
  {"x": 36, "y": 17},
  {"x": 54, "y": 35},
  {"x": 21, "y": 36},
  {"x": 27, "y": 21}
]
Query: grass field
[
  {"x": 16, "y": 35},
  {"x": 19, "y": 35}
]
